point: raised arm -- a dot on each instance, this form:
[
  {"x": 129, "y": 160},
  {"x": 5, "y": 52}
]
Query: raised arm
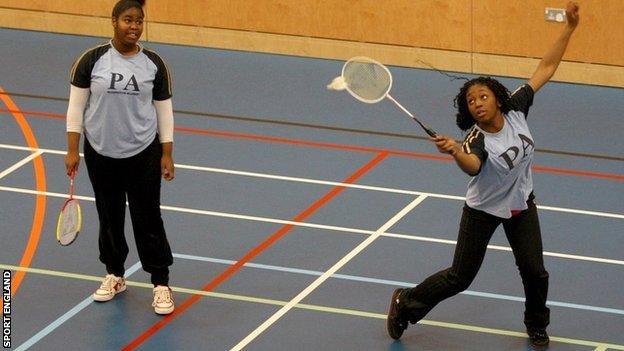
[{"x": 549, "y": 63}]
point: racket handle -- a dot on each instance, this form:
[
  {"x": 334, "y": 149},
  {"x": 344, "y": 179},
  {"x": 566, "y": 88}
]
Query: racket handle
[
  {"x": 426, "y": 128},
  {"x": 430, "y": 131},
  {"x": 71, "y": 184}
]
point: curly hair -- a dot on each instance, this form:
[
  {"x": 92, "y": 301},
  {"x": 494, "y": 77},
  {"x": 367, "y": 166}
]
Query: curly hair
[
  {"x": 123, "y": 5},
  {"x": 464, "y": 119}
]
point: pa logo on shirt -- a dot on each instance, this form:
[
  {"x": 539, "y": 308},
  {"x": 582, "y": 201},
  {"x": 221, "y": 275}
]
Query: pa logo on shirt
[
  {"x": 121, "y": 85},
  {"x": 511, "y": 154}
]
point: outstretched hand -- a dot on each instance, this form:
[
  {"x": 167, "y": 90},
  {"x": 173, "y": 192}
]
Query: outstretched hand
[
  {"x": 572, "y": 14},
  {"x": 469, "y": 163},
  {"x": 445, "y": 144}
]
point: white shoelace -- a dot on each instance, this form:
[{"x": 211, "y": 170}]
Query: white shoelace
[
  {"x": 108, "y": 283},
  {"x": 162, "y": 296}
]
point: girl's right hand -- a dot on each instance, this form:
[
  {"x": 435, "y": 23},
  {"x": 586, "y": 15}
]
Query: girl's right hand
[{"x": 445, "y": 144}]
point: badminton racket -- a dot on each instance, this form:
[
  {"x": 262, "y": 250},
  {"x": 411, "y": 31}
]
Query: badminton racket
[
  {"x": 70, "y": 217},
  {"x": 370, "y": 81}
]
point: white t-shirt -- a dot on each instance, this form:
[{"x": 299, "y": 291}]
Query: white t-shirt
[
  {"x": 504, "y": 181},
  {"x": 120, "y": 119}
]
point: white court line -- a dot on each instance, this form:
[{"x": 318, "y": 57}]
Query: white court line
[
  {"x": 307, "y": 291},
  {"x": 331, "y": 183},
  {"x": 326, "y": 309},
  {"x": 319, "y": 226},
  {"x": 395, "y": 283},
  {"x": 67, "y": 316},
  {"x": 32, "y": 149},
  {"x": 382, "y": 189},
  {"x": 314, "y": 181},
  {"x": 19, "y": 164}
]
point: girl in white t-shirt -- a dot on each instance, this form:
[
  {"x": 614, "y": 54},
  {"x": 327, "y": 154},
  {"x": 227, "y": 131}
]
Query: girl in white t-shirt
[
  {"x": 120, "y": 99},
  {"x": 497, "y": 152}
]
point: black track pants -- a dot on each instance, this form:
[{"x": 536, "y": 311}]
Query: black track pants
[
  {"x": 136, "y": 179},
  {"x": 476, "y": 229}
]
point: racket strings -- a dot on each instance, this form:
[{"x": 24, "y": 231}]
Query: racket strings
[
  {"x": 69, "y": 223},
  {"x": 370, "y": 81},
  {"x": 367, "y": 80}
]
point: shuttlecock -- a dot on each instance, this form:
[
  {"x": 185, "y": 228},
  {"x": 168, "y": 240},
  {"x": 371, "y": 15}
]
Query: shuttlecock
[{"x": 337, "y": 84}]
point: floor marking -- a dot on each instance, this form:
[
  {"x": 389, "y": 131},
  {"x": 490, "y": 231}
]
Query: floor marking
[
  {"x": 289, "y": 123},
  {"x": 40, "y": 184},
  {"x": 332, "y": 183},
  {"x": 353, "y": 148},
  {"x": 251, "y": 254},
  {"x": 321, "y": 226},
  {"x": 317, "y": 308},
  {"x": 19, "y": 164},
  {"x": 67, "y": 316},
  {"x": 341, "y": 263},
  {"x": 395, "y": 283}
]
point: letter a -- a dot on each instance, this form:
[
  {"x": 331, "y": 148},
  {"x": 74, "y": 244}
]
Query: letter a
[
  {"x": 132, "y": 82},
  {"x": 526, "y": 142}
]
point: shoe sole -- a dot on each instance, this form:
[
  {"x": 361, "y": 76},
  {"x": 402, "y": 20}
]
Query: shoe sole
[
  {"x": 539, "y": 347},
  {"x": 163, "y": 311},
  {"x": 389, "y": 325},
  {"x": 534, "y": 347},
  {"x": 104, "y": 298}
]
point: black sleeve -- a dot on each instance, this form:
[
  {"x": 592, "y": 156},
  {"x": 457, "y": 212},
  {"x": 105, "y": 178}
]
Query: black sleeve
[
  {"x": 80, "y": 75},
  {"x": 474, "y": 143},
  {"x": 522, "y": 99},
  {"x": 162, "y": 82}
]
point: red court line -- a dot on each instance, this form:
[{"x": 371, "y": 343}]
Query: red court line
[
  {"x": 354, "y": 148},
  {"x": 34, "y": 113},
  {"x": 279, "y": 140},
  {"x": 235, "y": 135},
  {"x": 254, "y": 252},
  {"x": 544, "y": 169},
  {"x": 40, "y": 200}
]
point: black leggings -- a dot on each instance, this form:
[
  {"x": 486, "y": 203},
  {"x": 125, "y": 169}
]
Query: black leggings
[
  {"x": 475, "y": 231},
  {"x": 138, "y": 178}
]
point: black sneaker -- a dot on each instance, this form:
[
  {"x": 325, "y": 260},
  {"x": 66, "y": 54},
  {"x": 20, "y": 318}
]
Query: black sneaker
[
  {"x": 396, "y": 324},
  {"x": 538, "y": 338}
]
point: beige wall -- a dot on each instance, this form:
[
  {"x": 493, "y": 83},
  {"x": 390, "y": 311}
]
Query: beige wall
[
  {"x": 522, "y": 31},
  {"x": 480, "y": 36},
  {"x": 440, "y": 24}
]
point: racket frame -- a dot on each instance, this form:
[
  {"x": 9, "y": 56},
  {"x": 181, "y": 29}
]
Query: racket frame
[
  {"x": 62, "y": 216},
  {"x": 365, "y": 59}
]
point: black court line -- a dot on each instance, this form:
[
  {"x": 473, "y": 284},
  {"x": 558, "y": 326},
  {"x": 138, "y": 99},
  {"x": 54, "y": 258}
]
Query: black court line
[{"x": 326, "y": 127}]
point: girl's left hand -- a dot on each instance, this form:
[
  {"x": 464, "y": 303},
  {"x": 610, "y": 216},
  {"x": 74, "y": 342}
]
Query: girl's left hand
[
  {"x": 572, "y": 14},
  {"x": 167, "y": 169}
]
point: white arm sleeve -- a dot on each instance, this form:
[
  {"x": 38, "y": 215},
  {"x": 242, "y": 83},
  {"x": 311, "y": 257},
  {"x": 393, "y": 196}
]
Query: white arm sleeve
[
  {"x": 78, "y": 98},
  {"x": 164, "y": 113}
]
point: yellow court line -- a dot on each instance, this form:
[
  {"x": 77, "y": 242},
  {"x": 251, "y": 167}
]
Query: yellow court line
[{"x": 599, "y": 346}]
